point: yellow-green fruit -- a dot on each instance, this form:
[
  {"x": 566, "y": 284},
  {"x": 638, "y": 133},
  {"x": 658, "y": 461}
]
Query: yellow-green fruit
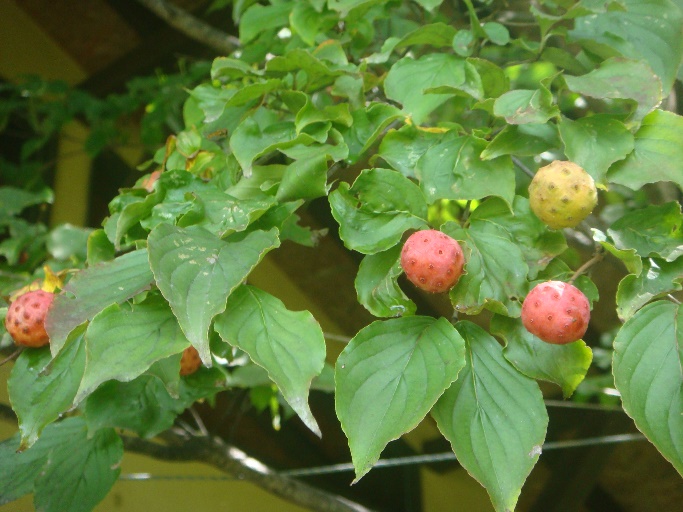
[{"x": 562, "y": 194}]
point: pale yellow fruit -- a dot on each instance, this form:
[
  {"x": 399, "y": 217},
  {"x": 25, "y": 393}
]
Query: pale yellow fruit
[{"x": 562, "y": 194}]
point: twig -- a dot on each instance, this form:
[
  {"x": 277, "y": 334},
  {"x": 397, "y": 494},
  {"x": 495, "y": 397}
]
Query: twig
[
  {"x": 13, "y": 355},
  {"x": 192, "y": 26},
  {"x": 598, "y": 256},
  {"x": 674, "y": 299},
  {"x": 239, "y": 465},
  {"x": 198, "y": 420},
  {"x": 523, "y": 167}
]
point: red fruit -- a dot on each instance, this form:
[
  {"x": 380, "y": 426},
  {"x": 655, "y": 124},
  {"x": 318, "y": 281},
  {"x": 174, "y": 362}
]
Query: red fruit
[
  {"x": 556, "y": 312},
  {"x": 25, "y": 320},
  {"x": 432, "y": 261},
  {"x": 190, "y": 361}
]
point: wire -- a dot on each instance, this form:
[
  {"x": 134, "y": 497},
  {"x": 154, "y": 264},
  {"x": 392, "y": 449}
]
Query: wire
[{"x": 394, "y": 461}]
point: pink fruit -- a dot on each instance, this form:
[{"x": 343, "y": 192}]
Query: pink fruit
[
  {"x": 556, "y": 312},
  {"x": 25, "y": 320},
  {"x": 432, "y": 261},
  {"x": 190, "y": 361}
]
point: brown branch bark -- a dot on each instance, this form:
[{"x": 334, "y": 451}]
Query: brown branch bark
[
  {"x": 215, "y": 452},
  {"x": 192, "y": 27}
]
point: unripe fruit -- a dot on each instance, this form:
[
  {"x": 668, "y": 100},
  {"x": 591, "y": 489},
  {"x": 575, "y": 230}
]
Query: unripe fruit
[
  {"x": 556, "y": 312},
  {"x": 190, "y": 361},
  {"x": 562, "y": 194},
  {"x": 25, "y": 320},
  {"x": 432, "y": 261}
]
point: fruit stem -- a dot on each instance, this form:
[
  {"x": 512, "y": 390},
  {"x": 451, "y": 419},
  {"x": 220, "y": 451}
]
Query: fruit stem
[
  {"x": 523, "y": 167},
  {"x": 12, "y": 356},
  {"x": 597, "y": 256}
]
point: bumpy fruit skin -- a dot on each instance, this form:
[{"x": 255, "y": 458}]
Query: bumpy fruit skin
[
  {"x": 562, "y": 194},
  {"x": 25, "y": 320},
  {"x": 556, "y": 312},
  {"x": 432, "y": 260},
  {"x": 190, "y": 361}
]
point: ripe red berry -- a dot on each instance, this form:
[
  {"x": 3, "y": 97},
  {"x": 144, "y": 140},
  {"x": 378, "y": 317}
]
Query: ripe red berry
[
  {"x": 556, "y": 312},
  {"x": 432, "y": 260},
  {"x": 190, "y": 361},
  {"x": 25, "y": 320}
]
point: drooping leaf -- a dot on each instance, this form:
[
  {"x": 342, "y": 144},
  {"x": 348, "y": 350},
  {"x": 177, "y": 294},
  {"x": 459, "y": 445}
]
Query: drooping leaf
[
  {"x": 648, "y": 354},
  {"x": 595, "y": 143},
  {"x": 622, "y": 79},
  {"x": 123, "y": 342},
  {"x": 92, "y": 290},
  {"x": 524, "y": 106},
  {"x": 454, "y": 169},
  {"x": 565, "y": 365},
  {"x": 409, "y": 78},
  {"x": 629, "y": 257},
  {"x": 647, "y": 29},
  {"x": 196, "y": 272},
  {"x": 368, "y": 124},
  {"x": 659, "y": 277},
  {"x": 495, "y": 270},
  {"x": 377, "y": 209},
  {"x": 494, "y": 418},
  {"x": 304, "y": 179},
  {"x": 289, "y": 345},
  {"x": 40, "y": 389},
  {"x": 388, "y": 377},
  {"x": 142, "y": 405},
  {"x": 402, "y": 148},
  {"x": 66, "y": 469},
  {"x": 655, "y": 230},
  {"x": 522, "y": 140},
  {"x": 656, "y": 155},
  {"x": 377, "y": 284},
  {"x": 538, "y": 243}
]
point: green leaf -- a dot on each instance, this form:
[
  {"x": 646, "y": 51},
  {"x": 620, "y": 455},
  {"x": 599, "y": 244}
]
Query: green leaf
[
  {"x": 318, "y": 74},
  {"x": 659, "y": 277},
  {"x": 388, "y": 378},
  {"x": 524, "y": 106},
  {"x": 66, "y": 469},
  {"x": 289, "y": 345},
  {"x": 67, "y": 241},
  {"x": 438, "y": 35},
  {"x": 522, "y": 140},
  {"x": 377, "y": 284},
  {"x": 304, "y": 179},
  {"x": 374, "y": 213},
  {"x": 40, "y": 389},
  {"x": 368, "y": 125},
  {"x": 142, "y": 405},
  {"x": 463, "y": 42},
  {"x": 494, "y": 418},
  {"x": 123, "y": 342},
  {"x": 648, "y": 354},
  {"x": 657, "y": 153},
  {"x": 493, "y": 79},
  {"x": 13, "y": 200},
  {"x": 595, "y": 143},
  {"x": 409, "y": 78},
  {"x": 496, "y": 33},
  {"x": 538, "y": 243},
  {"x": 622, "y": 79},
  {"x": 222, "y": 213},
  {"x": 564, "y": 365},
  {"x": 92, "y": 290},
  {"x": 99, "y": 248},
  {"x": 495, "y": 272},
  {"x": 196, "y": 272},
  {"x": 454, "y": 169},
  {"x": 402, "y": 148},
  {"x": 307, "y": 22},
  {"x": 647, "y": 29},
  {"x": 656, "y": 230},
  {"x": 226, "y": 69},
  {"x": 259, "y": 18},
  {"x": 629, "y": 257}
]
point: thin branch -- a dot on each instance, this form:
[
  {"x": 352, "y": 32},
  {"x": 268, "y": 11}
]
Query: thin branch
[
  {"x": 192, "y": 27},
  {"x": 597, "y": 257},
  {"x": 523, "y": 167},
  {"x": 234, "y": 462},
  {"x": 12, "y": 356}
]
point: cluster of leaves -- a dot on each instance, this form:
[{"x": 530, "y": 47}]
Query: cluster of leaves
[{"x": 413, "y": 105}]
